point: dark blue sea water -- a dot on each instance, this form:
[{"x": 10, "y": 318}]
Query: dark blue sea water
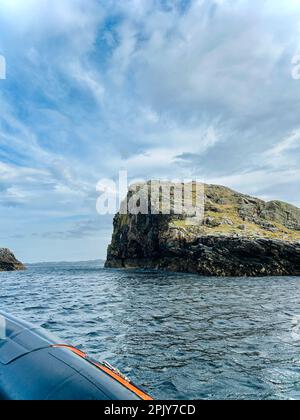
[{"x": 178, "y": 336}]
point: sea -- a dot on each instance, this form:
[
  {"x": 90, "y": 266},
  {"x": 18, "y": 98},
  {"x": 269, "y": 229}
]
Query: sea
[{"x": 178, "y": 336}]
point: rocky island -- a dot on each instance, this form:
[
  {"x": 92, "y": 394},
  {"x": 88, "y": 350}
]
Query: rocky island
[
  {"x": 238, "y": 235},
  {"x": 8, "y": 261}
]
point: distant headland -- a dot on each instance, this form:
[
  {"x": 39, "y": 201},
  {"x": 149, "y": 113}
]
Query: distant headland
[
  {"x": 8, "y": 261},
  {"x": 238, "y": 235}
]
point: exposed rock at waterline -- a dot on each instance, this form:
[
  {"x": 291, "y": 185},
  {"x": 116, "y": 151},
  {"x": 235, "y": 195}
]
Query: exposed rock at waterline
[
  {"x": 8, "y": 261},
  {"x": 238, "y": 236}
]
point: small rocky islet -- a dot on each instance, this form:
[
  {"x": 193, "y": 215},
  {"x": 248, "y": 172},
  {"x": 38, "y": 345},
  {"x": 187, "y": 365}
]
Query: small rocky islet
[
  {"x": 8, "y": 261},
  {"x": 238, "y": 236}
]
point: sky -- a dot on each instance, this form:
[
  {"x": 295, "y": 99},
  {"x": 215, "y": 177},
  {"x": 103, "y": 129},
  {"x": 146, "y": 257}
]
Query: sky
[{"x": 199, "y": 89}]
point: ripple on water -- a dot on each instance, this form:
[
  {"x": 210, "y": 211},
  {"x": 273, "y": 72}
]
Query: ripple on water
[{"x": 179, "y": 336}]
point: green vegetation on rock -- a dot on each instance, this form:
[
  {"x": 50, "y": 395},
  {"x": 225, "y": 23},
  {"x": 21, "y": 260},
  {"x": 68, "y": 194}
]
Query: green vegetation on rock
[{"x": 238, "y": 235}]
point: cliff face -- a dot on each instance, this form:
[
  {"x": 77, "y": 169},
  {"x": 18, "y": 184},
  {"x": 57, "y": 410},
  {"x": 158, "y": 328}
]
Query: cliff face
[
  {"x": 8, "y": 261},
  {"x": 238, "y": 236}
]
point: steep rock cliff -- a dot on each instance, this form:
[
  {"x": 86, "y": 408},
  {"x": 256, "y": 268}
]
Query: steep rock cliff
[{"x": 239, "y": 235}]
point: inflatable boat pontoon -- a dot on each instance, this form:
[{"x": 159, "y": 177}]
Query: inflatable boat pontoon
[{"x": 35, "y": 366}]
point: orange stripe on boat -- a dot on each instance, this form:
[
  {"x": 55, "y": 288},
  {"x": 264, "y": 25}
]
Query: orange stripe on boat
[
  {"x": 129, "y": 386},
  {"x": 104, "y": 369},
  {"x": 73, "y": 349}
]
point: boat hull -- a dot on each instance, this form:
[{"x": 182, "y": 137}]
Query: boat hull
[{"x": 34, "y": 365}]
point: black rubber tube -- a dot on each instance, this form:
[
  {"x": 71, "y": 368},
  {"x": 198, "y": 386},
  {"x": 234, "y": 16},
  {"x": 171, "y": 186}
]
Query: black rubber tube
[{"x": 32, "y": 368}]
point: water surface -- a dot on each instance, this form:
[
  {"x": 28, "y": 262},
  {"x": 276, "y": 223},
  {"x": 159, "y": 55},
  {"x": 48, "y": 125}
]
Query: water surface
[{"x": 179, "y": 336}]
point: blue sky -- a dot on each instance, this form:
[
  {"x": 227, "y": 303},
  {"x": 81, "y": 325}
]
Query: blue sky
[{"x": 192, "y": 89}]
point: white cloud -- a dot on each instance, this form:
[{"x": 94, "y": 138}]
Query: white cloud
[
  {"x": 207, "y": 57},
  {"x": 289, "y": 144},
  {"x": 152, "y": 86},
  {"x": 257, "y": 181}
]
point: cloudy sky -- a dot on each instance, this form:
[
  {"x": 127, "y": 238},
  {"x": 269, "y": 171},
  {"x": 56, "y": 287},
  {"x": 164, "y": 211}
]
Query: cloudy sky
[{"x": 163, "y": 88}]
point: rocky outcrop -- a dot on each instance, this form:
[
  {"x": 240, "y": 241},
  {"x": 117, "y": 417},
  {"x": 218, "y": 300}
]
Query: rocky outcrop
[
  {"x": 8, "y": 261},
  {"x": 238, "y": 235}
]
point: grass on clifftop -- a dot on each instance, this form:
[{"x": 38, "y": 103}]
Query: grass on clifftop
[
  {"x": 228, "y": 212},
  {"x": 239, "y": 226}
]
